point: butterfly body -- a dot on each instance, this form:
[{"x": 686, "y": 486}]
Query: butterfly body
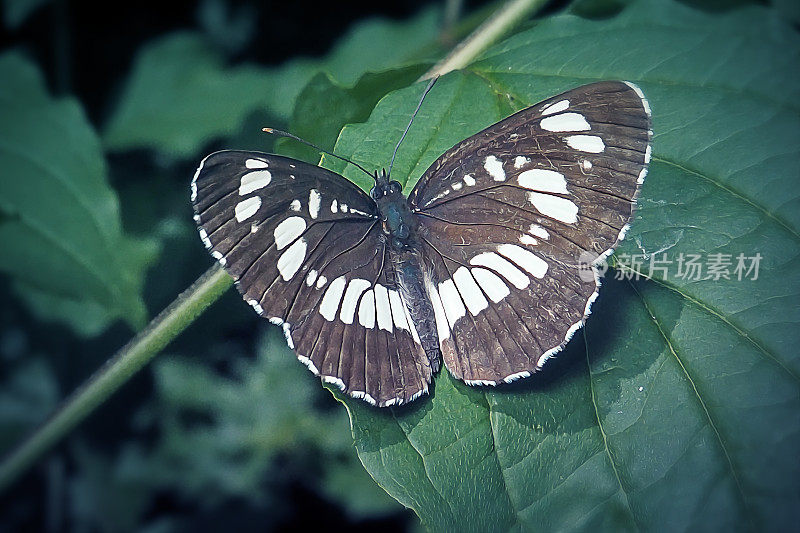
[{"x": 478, "y": 267}]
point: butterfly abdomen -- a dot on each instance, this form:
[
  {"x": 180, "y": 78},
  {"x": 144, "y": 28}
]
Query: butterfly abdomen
[{"x": 410, "y": 278}]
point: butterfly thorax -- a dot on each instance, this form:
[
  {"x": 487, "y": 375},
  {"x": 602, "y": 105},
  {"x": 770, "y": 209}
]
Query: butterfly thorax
[{"x": 398, "y": 222}]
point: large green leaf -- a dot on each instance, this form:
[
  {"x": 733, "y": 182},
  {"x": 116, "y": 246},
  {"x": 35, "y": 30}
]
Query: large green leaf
[
  {"x": 180, "y": 96},
  {"x": 59, "y": 220},
  {"x": 678, "y": 407}
]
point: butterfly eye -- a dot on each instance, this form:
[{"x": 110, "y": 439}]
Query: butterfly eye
[
  {"x": 374, "y": 193},
  {"x": 395, "y": 187}
]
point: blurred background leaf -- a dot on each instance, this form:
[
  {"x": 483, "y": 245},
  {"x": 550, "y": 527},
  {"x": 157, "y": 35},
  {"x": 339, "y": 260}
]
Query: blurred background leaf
[
  {"x": 185, "y": 73},
  {"x": 244, "y": 434},
  {"x": 60, "y": 228},
  {"x": 16, "y": 11}
]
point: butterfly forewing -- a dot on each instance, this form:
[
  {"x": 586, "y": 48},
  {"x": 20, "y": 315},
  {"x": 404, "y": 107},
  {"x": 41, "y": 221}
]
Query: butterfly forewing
[
  {"x": 507, "y": 215},
  {"x": 305, "y": 249}
]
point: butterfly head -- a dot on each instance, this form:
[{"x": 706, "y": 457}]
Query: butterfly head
[{"x": 385, "y": 189}]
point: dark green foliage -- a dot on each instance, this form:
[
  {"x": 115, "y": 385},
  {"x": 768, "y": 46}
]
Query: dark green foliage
[{"x": 675, "y": 409}]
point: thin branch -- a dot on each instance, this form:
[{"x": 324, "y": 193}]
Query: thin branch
[
  {"x": 116, "y": 371},
  {"x": 500, "y": 23}
]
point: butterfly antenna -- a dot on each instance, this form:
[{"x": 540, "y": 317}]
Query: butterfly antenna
[
  {"x": 424, "y": 94},
  {"x": 280, "y": 133}
]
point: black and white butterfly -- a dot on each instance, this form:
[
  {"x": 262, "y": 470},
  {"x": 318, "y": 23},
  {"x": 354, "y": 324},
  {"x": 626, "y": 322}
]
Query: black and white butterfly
[{"x": 478, "y": 266}]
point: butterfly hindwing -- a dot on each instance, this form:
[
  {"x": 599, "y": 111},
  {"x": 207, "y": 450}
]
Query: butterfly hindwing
[
  {"x": 507, "y": 215},
  {"x": 305, "y": 248}
]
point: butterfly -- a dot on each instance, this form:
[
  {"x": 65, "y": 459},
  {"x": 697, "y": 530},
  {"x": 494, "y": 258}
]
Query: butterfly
[{"x": 478, "y": 267}]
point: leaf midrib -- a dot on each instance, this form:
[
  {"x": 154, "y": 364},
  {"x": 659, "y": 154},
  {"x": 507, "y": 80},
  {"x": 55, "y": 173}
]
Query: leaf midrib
[
  {"x": 73, "y": 254},
  {"x": 740, "y": 490},
  {"x": 605, "y": 436},
  {"x": 739, "y": 330},
  {"x": 452, "y": 511}
]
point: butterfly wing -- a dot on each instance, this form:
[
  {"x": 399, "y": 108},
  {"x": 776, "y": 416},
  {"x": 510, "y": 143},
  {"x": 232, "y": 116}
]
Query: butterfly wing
[
  {"x": 304, "y": 246},
  {"x": 510, "y": 217}
]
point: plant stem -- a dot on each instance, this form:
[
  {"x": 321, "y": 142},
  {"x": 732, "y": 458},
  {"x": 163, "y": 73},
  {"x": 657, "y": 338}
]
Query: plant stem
[
  {"x": 502, "y": 21},
  {"x": 117, "y": 370}
]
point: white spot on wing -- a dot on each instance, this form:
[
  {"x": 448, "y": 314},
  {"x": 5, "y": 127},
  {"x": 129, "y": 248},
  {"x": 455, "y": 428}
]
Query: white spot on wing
[
  {"x": 383, "y": 308},
  {"x": 255, "y": 305},
  {"x": 565, "y": 122},
  {"x": 306, "y": 361},
  {"x": 219, "y": 257},
  {"x": 366, "y": 310},
  {"x": 521, "y": 161},
  {"x": 204, "y": 238},
  {"x": 531, "y": 262},
  {"x": 295, "y": 205},
  {"x": 350, "y": 301},
  {"x": 470, "y": 291},
  {"x": 586, "y": 143},
  {"x": 495, "y": 168},
  {"x": 288, "y": 230},
  {"x": 558, "y": 107},
  {"x": 640, "y": 94},
  {"x": 331, "y": 299},
  {"x": 289, "y": 262},
  {"x": 527, "y": 239},
  {"x": 334, "y": 380},
  {"x": 648, "y": 154},
  {"x": 518, "y": 375},
  {"x": 411, "y": 326},
  {"x": 314, "y": 202},
  {"x": 642, "y": 176},
  {"x": 321, "y": 281},
  {"x": 586, "y": 164},
  {"x": 457, "y": 185},
  {"x": 252, "y": 181},
  {"x": 442, "y": 329},
  {"x": 255, "y": 163},
  {"x": 469, "y": 180},
  {"x": 503, "y": 267},
  {"x": 247, "y": 208},
  {"x": 539, "y": 179},
  {"x": 334, "y": 207},
  {"x": 492, "y": 285},
  {"x": 398, "y": 311},
  {"x": 554, "y": 207},
  {"x": 194, "y": 179},
  {"x": 480, "y": 382},
  {"x": 312, "y": 277},
  {"x": 287, "y": 332},
  {"x": 453, "y": 306},
  {"x": 538, "y": 231}
]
